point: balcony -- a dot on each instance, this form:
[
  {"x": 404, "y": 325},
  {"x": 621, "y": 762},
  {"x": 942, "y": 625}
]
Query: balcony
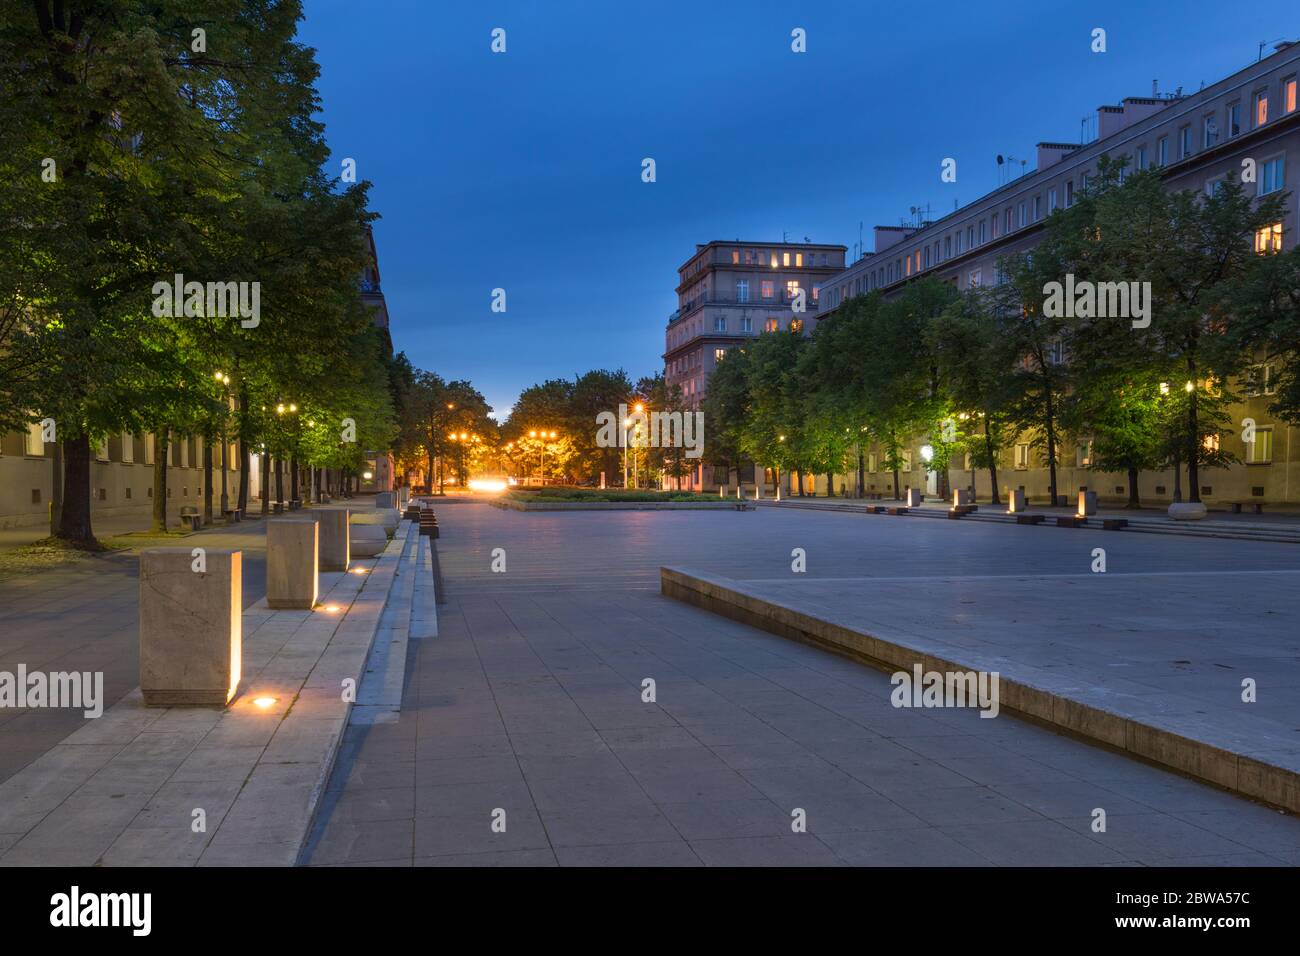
[{"x": 782, "y": 302}]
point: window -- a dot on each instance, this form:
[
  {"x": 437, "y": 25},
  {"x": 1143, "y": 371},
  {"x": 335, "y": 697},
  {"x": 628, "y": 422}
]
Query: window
[
  {"x": 958, "y": 242},
  {"x": 1038, "y": 208},
  {"x": 769, "y": 288},
  {"x": 1212, "y": 444},
  {"x": 747, "y": 324},
  {"x": 816, "y": 293},
  {"x": 1051, "y": 200},
  {"x": 796, "y": 326},
  {"x": 1162, "y": 151},
  {"x": 771, "y": 325},
  {"x": 735, "y": 257},
  {"x": 798, "y": 259},
  {"x": 973, "y": 279},
  {"x": 719, "y": 355},
  {"x": 1184, "y": 142},
  {"x": 149, "y": 444},
  {"x": 909, "y": 266},
  {"x": 1022, "y": 214},
  {"x": 791, "y": 288},
  {"x": 1260, "y": 381},
  {"x": 1261, "y": 107},
  {"x": 1140, "y": 158},
  {"x": 1272, "y": 176},
  {"x": 871, "y": 463},
  {"x": 773, "y": 257},
  {"x": 905, "y": 461},
  {"x": 1288, "y": 95},
  {"x": 742, "y": 290},
  {"x": 128, "y": 447},
  {"x": 1234, "y": 119},
  {"x": 1269, "y": 239},
  {"x": 35, "y": 446},
  {"x": 785, "y": 258},
  {"x": 927, "y": 257},
  {"x": 749, "y": 257},
  {"x": 101, "y": 453},
  {"x": 1210, "y": 132},
  {"x": 1069, "y": 193},
  {"x": 970, "y": 237},
  {"x": 984, "y": 235},
  {"x": 1213, "y": 186},
  {"x": 719, "y": 323},
  {"x": 1055, "y": 353},
  {"x": 947, "y": 247},
  {"x": 1083, "y": 454},
  {"x": 1022, "y": 456},
  {"x": 1006, "y": 221},
  {"x": 1260, "y": 451}
]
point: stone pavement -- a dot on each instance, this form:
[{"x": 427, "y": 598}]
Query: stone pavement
[
  {"x": 82, "y": 616},
  {"x": 529, "y": 701},
  {"x": 126, "y": 788}
]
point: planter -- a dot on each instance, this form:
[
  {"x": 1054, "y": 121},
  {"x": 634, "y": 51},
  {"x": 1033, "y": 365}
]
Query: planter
[{"x": 1187, "y": 511}]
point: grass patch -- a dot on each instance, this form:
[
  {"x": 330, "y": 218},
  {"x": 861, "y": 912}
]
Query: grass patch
[
  {"x": 42, "y": 556},
  {"x": 605, "y": 494}
]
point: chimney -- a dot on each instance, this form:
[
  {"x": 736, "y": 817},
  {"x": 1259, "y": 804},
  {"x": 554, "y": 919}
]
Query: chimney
[{"x": 1049, "y": 154}]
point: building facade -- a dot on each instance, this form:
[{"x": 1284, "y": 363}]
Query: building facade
[
  {"x": 121, "y": 475},
  {"x": 730, "y": 292},
  {"x": 1196, "y": 140}
]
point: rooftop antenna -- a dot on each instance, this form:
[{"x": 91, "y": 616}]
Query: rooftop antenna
[
  {"x": 784, "y": 236},
  {"x": 1264, "y": 43}
]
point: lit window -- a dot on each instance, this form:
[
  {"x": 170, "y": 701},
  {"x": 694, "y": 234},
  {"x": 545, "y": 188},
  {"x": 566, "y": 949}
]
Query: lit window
[
  {"x": 798, "y": 259},
  {"x": 1269, "y": 239},
  {"x": 735, "y": 257},
  {"x": 791, "y": 288},
  {"x": 1083, "y": 455},
  {"x": 1211, "y": 444},
  {"x": 785, "y": 258},
  {"x": 769, "y": 288},
  {"x": 1022, "y": 456},
  {"x": 909, "y": 266},
  {"x": 816, "y": 292},
  {"x": 35, "y": 443},
  {"x": 771, "y": 325},
  {"x": 1260, "y": 451},
  {"x": 1261, "y": 108},
  {"x": 1260, "y": 381},
  {"x": 719, "y": 355},
  {"x": 796, "y": 326},
  {"x": 774, "y": 260},
  {"x": 1272, "y": 176},
  {"x": 1288, "y": 94}
]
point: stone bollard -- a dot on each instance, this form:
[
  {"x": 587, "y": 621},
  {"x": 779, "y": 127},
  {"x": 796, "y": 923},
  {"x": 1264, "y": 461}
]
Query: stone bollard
[
  {"x": 335, "y": 542},
  {"x": 1087, "y": 503},
  {"x": 961, "y": 497},
  {"x": 385, "y": 499},
  {"x": 292, "y": 563},
  {"x": 1016, "y": 501},
  {"x": 191, "y": 620},
  {"x": 914, "y": 497}
]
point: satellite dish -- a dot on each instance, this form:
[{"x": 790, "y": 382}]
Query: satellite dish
[{"x": 999, "y": 159}]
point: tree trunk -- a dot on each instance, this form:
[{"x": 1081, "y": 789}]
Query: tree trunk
[
  {"x": 1051, "y": 443},
  {"x": 993, "y": 460},
  {"x": 74, "y": 516},
  {"x": 898, "y": 493},
  {"x": 56, "y": 481},
  {"x": 862, "y": 474},
  {"x": 293, "y": 478},
  {"x": 207, "y": 481},
  {"x": 1178, "y": 477},
  {"x": 244, "y": 462},
  {"x": 161, "y": 449},
  {"x": 1133, "y": 501},
  {"x": 265, "y": 483},
  {"x": 279, "y": 479}
]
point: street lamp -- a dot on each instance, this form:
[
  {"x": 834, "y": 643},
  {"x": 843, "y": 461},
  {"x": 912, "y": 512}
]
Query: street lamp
[{"x": 224, "y": 379}]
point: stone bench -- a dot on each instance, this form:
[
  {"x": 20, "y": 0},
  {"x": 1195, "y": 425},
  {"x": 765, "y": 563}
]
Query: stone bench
[
  {"x": 1073, "y": 521},
  {"x": 1029, "y": 519},
  {"x": 895, "y": 511},
  {"x": 1258, "y": 506},
  {"x": 1114, "y": 524},
  {"x": 191, "y": 518},
  {"x": 366, "y": 540}
]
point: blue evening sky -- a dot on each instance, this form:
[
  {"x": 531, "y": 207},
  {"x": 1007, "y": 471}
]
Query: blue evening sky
[{"x": 522, "y": 170}]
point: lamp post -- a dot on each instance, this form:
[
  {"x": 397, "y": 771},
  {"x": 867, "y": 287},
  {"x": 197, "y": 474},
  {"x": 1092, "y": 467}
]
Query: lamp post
[{"x": 224, "y": 379}]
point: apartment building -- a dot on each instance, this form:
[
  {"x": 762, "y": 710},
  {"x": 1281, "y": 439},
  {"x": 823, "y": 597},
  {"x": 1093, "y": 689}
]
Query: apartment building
[
  {"x": 729, "y": 292},
  {"x": 1195, "y": 140}
]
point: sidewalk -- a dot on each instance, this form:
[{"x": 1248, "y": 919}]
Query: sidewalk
[{"x": 128, "y": 788}]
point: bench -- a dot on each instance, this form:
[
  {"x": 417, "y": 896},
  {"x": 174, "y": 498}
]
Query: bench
[
  {"x": 875, "y": 509},
  {"x": 191, "y": 518},
  {"x": 1029, "y": 519},
  {"x": 958, "y": 511},
  {"x": 1259, "y": 506},
  {"x": 1073, "y": 521},
  {"x": 895, "y": 511},
  {"x": 1114, "y": 524},
  {"x": 232, "y": 514}
]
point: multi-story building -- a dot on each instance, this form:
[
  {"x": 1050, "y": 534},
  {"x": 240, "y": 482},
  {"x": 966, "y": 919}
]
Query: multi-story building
[
  {"x": 1195, "y": 140},
  {"x": 121, "y": 474},
  {"x": 729, "y": 292}
]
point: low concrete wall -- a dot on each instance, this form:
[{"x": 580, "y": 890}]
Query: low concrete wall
[{"x": 1237, "y": 772}]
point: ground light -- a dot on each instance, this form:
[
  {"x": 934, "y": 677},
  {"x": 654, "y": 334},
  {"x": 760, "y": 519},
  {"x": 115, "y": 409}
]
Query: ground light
[
  {"x": 490, "y": 485},
  {"x": 264, "y": 702}
]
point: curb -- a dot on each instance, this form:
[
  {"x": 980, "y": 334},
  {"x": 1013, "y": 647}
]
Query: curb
[
  {"x": 1237, "y": 772},
  {"x": 725, "y": 504}
]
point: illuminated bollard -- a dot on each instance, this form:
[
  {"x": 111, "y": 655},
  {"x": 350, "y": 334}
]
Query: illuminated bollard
[
  {"x": 292, "y": 563},
  {"x": 914, "y": 497},
  {"x": 1016, "y": 501},
  {"x": 1087, "y": 503},
  {"x": 334, "y": 539},
  {"x": 191, "y": 618}
]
